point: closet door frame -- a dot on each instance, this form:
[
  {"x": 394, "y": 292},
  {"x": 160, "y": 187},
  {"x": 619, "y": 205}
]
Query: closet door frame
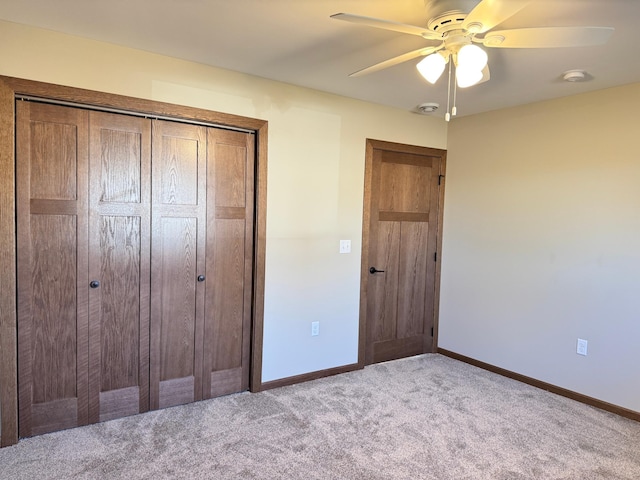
[{"x": 11, "y": 90}]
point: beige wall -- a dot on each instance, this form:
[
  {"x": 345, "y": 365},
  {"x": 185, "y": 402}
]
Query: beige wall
[
  {"x": 315, "y": 177},
  {"x": 542, "y": 242}
]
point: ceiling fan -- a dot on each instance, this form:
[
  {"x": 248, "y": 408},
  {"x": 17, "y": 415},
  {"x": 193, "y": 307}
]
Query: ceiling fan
[{"x": 458, "y": 25}]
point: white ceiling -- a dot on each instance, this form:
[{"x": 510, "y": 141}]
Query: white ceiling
[{"x": 295, "y": 41}]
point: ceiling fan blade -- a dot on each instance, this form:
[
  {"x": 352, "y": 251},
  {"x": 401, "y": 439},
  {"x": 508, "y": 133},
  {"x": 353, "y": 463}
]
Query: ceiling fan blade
[
  {"x": 421, "y": 52},
  {"x": 489, "y": 13},
  {"x": 548, "y": 37},
  {"x": 387, "y": 25}
]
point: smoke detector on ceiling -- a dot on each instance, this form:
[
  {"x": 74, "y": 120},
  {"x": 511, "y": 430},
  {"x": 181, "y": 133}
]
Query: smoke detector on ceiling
[
  {"x": 429, "y": 107},
  {"x": 575, "y": 76}
]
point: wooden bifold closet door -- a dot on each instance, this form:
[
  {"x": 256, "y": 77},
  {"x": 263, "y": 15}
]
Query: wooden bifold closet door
[
  {"x": 229, "y": 264},
  {"x": 201, "y": 262},
  {"x": 119, "y": 236},
  {"x": 135, "y": 261},
  {"x": 177, "y": 265},
  {"x": 53, "y": 283}
]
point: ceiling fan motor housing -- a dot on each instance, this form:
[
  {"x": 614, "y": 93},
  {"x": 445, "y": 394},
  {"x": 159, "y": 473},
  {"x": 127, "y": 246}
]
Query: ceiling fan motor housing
[{"x": 447, "y": 15}]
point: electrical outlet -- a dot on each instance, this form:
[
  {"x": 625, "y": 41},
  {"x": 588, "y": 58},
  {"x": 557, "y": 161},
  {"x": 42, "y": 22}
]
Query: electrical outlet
[
  {"x": 345, "y": 246},
  {"x": 315, "y": 329},
  {"x": 582, "y": 347}
]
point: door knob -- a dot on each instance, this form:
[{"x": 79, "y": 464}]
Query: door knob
[
  {"x": 94, "y": 284},
  {"x": 373, "y": 270},
  {"x": 201, "y": 278}
]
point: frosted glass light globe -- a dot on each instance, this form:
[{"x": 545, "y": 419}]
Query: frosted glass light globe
[
  {"x": 431, "y": 67},
  {"x": 473, "y": 57}
]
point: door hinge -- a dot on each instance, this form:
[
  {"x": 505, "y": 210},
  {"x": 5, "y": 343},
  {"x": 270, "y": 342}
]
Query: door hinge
[
  {"x": 435, "y": 257},
  {"x": 440, "y": 177},
  {"x": 432, "y": 331}
]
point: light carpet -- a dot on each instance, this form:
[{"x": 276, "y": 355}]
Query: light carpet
[{"x": 426, "y": 417}]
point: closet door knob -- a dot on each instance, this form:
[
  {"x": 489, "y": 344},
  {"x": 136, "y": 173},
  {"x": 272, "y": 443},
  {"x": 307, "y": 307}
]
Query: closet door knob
[
  {"x": 374, "y": 270},
  {"x": 201, "y": 278},
  {"x": 94, "y": 284}
]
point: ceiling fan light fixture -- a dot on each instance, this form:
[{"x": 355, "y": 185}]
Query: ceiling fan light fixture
[
  {"x": 431, "y": 67},
  {"x": 459, "y": 25},
  {"x": 473, "y": 57}
]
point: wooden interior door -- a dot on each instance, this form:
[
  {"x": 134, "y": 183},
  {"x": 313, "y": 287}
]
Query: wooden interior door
[
  {"x": 402, "y": 206},
  {"x": 230, "y": 203},
  {"x": 177, "y": 262},
  {"x": 51, "y": 157},
  {"x": 119, "y": 264}
]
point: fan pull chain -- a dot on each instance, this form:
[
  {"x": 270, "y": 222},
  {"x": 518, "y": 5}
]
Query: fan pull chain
[
  {"x": 447, "y": 116},
  {"x": 454, "y": 110}
]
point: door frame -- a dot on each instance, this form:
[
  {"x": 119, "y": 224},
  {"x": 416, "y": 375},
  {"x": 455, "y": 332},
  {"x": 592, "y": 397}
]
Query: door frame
[
  {"x": 371, "y": 145},
  {"x": 13, "y": 88}
]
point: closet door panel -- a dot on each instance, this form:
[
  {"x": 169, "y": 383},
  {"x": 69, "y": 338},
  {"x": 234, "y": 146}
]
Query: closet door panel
[
  {"x": 226, "y": 308},
  {"x": 119, "y": 321},
  {"x": 123, "y": 172},
  {"x": 229, "y": 262},
  {"x": 120, "y": 306},
  {"x": 178, "y": 283},
  {"x": 53, "y": 274},
  {"x": 178, "y": 167},
  {"x": 120, "y": 149},
  {"x": 51, "y": 151},
  {"x": 53, "y": 155},
  {"x": 177, "y": 261},
  {"x": 54, "y": 334},
  {"x": 229, "y": 164}
]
